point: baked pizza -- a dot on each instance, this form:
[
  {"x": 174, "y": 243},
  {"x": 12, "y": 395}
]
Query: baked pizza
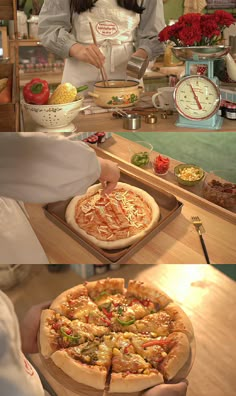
[
  {"x": 100, "y": 332},
  {"x": 116, "y": 220}
]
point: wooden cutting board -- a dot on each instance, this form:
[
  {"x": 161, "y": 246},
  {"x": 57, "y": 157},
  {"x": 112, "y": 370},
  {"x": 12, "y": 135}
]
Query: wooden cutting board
[
  {"x": 84, "y": 390},
  {"x": 74, "y": 386}
]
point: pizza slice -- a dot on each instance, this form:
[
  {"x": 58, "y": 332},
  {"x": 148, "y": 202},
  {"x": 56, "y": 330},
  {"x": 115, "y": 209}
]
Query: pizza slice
[
  {"x": 148, "y": 294},
  {"x": 75, "y": 303},
  {"x": 168, "y": 320},
  {"x": 180, "y": 322},
  {"x": 166, "y": 354},
  {"x": 105, "y": 288},
  {"x": 57, "y": 331},
  {"x": 130, "y": 371},
  {"x": 88, "y": 363}
]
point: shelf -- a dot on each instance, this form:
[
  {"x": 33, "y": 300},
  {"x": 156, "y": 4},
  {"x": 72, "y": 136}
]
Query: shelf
[
  {"x": 50, "y": 77},
  {"x": 26, "y": 43}
]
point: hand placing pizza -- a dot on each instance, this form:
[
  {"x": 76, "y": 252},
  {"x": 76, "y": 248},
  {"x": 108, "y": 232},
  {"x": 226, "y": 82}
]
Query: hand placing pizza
[
  {"x": 29, "y": 327},
  {"x": 168, "y": 390},
  {"x": 110, "y": 175}
]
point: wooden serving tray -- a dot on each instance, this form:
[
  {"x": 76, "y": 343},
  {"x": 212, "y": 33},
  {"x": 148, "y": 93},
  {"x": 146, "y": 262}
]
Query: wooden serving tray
[{"x": 170, "y": 208}]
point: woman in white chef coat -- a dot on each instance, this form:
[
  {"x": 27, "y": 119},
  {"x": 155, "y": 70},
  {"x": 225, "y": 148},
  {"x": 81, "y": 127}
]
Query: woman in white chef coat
[
  {"x": 17, "y": 376},
  {"x": 122, "y": 28},
  {"x": 41, "y": 168}
]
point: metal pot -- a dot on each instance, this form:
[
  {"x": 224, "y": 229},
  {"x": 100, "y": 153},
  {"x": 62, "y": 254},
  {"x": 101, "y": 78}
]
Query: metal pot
[{"x": 119, "y": 93}]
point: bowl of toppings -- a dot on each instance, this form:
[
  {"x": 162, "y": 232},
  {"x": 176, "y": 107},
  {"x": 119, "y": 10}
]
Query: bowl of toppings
[
  {"x": 141, "y": 156},
  {"x": 220, "y": 188},
  {"x": 161, "y": 165},
  {"x": 189, "y": 174}
]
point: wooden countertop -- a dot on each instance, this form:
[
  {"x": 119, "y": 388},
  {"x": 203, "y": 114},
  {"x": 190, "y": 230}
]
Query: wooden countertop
[
  {"x": 207, "y": 296},
  {"x": 178, "y": 242},
  {"x": 105, "y": 122}
]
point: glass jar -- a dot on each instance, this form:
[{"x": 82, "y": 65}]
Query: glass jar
[
  {"x": 22, "y": 25},
  {"x": 230, "y": 111},
  {"x": 33, "y": 23}
]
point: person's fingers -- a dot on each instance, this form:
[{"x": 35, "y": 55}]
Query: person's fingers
[
  {"x": 95, "y": 56},
  {"x": 179, "y": 389},
  {"x": 45, "y": 304},
  {"x": 109, "y": 188}
]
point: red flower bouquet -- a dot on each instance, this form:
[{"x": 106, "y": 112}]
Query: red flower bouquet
[{"x": 195, "y": 29}]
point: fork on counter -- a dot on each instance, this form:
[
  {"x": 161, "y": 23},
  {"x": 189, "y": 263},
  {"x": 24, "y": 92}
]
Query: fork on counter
[{"x": 200, "y": 229}]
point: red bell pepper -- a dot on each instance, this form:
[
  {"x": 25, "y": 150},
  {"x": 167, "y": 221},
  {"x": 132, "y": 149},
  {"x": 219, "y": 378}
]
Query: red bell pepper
[
  {"x": 161, "y": 165},
  {"x": 156, "y": 342},
  {"x": 36, "y": 92}
]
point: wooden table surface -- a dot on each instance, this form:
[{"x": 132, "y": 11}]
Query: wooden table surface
[
  {"x": 105, "y": 122},
  {"x": 207, "y": 296},
  {"x": 177, "y": 243}
]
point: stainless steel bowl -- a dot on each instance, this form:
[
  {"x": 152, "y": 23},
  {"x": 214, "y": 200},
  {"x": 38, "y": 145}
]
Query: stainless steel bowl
[
  {"x": 136, "y": 67},
  {"x": 200, "y": 52}
]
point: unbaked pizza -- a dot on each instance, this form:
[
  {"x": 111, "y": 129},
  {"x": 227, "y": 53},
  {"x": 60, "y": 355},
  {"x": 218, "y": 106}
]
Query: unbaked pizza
[
  {"x": 116, "y": 220},
  {"x": 101, "y": 332}
]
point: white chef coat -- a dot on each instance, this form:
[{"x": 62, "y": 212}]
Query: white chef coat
[
  {"x": 115, "y": 29},
  {"x": 37, "y": 168},
  {"x": 17, "y": 375}
]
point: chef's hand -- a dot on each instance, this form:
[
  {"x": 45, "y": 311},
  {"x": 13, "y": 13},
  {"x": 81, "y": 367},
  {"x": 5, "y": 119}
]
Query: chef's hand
[
  {"x": 140, "y": 53},
  {"x": 88, "y": 53},
  {"x": 168, "y": 390},
  {"x": 29, "y": 327},
  {"x": 110, "y": 175}
]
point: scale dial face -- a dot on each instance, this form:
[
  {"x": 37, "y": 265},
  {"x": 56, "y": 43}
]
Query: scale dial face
[{"x": 197, "y": 97}]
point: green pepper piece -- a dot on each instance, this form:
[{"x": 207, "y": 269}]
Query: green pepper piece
[
  {"x": 120, "y": 310},
  {"x": 71, "y": 338},
  {"x": 124, "y": 323},
  {"x": 103, "y": 293}
]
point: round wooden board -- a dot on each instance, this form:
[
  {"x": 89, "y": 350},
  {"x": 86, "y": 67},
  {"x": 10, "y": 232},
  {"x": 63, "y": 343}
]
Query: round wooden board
[{"x": 84, "y": 390}]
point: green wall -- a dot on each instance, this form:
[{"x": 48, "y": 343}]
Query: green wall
[
  {"x": 28, "y": 5},
  {"x": 173, "y": 8}
]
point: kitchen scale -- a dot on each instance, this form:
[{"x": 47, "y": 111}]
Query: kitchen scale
[{"x": 197, "y": 97}]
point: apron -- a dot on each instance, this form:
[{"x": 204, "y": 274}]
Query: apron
[
  {"x": 115, "y": 30},
  {"x": 18, "y": 242},
  {"x": 17, "y": 374}
]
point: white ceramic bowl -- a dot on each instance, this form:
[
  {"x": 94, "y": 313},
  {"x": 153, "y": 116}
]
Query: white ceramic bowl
[{"x": 54, "y": 116}]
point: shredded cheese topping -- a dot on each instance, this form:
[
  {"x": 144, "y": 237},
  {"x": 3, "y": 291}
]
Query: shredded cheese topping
[{"x": 121, "y": 214}]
